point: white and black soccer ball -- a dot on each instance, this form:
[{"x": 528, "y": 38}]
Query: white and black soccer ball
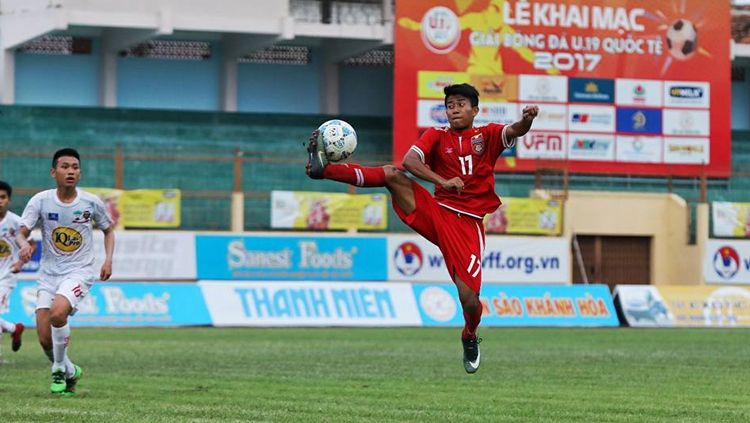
[
  {"x": 682, "y": 39},
  {"x": 338, "y": 138}
]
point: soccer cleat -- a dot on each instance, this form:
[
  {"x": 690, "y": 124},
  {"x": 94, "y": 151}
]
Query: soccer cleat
[
  {"x": 16, "y": 337},
  {"x": 471, "y": 354},
  {"x": 70, "y": 383},
  {"x": 316, "y": 160},
  {"x": 58, "y": 382}
]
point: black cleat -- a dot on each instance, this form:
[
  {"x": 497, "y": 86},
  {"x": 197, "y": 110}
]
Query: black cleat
[
  {"x": 471, "y": 354},
  {"x": 316, "y": 160}
]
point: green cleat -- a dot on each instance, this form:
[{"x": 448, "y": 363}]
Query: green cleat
[
  {"x": 70, "y": 383},
  {"x": 316, "y": 156},
  {"x": 58, "y": 382}
]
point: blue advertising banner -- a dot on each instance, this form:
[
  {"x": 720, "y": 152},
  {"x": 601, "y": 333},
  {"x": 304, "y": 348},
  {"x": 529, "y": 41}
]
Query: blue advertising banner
[
  {"x": 591, "y": 90},
  {"x": 291, "y": 258},
  {"x": 123, "y": 304},
  {"x": 521, "y": 305},
  {"x": 639, "y": 121}
]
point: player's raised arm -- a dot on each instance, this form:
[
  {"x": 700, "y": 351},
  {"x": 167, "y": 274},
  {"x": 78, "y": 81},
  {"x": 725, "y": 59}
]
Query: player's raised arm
[{"x": 520, "y": 128}]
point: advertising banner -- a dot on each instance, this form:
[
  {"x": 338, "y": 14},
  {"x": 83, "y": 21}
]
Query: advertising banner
[
  {"x": 730, "y": 220},
  {"x": 141, "y": 208},
  {"x": 521, "y": 305},
  {"x": 310, "y": 304},
  {"x": 527, "y": 216},
  {"x": 123, "y": 304},
  {"x": 264, "y": 257},
  {"x": 139, "y": 256},
  {"x": 328, "y": 210},
  {"x": 684, "y": 306},
  {"x": 727, "y": 262},
  {"x": 519, "y": 260},
  {"x": 630, "y": 67}
]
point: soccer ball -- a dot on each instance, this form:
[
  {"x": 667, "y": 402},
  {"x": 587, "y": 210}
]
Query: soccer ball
[
  {"x": 338, "y": 138},
  {"x": 682, "y": 39}
]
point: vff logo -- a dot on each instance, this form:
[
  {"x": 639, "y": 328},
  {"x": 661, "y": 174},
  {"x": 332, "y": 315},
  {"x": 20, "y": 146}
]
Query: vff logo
[{"x": 408, "y": 258}]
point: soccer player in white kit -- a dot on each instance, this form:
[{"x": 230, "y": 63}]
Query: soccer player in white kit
[
  {"x": 9, "y": 263},
  {"x": 66, "y": 216}
]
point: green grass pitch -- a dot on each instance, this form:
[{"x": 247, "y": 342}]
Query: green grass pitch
[{"x": 386, "y": 375}]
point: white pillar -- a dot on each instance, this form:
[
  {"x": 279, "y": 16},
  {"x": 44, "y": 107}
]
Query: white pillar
[
  {"x": 329, "y": 92},
  {"x": 108, "y": 78},
  {"x": 229, "y": 70},
  {"x": 7, "y": 75}
]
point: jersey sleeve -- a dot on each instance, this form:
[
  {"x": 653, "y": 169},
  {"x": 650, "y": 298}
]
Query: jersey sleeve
[
  {"x": 101, "y": 215},
  {"x": 499, "y": 140},
  {"x": 32, "y": 213},
  {"x": 424, "y": 145}
]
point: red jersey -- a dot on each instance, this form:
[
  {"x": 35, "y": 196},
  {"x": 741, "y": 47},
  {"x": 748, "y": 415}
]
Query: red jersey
[{"x": 471, "y": 155}]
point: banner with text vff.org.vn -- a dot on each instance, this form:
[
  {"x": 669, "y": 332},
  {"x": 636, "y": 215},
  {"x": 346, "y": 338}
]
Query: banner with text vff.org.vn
[
  {"x": 266, "y": 257},
  {"x": 507, "y": 259},
  {"x": 122, "y": 304}
]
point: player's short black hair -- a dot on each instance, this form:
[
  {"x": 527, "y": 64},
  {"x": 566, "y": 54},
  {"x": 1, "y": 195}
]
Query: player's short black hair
[
  {"x": 465, "y": 90},
  {"x": 65, "y": 152},
  {"x": 4, "y": 186}
]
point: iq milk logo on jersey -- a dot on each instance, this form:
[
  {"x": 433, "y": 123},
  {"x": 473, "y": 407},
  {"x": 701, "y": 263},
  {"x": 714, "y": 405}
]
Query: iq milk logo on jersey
[
  {"x": 66, "y": 239},
  {"x": 441, "y": 30},
  {"x": 408, "y": 258}
]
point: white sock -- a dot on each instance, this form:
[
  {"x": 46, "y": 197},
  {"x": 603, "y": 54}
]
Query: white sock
[
  {"x": 70, "y": 371},
  {"x": 60, "y": 338},
  {"x": 7, "y": 326}
]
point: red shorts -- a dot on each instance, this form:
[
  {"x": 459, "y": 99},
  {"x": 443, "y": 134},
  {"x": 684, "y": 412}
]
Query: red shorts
[{"x": 460, "y": 237}]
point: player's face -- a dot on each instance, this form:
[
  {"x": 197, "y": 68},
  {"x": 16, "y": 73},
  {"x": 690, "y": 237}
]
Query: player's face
[
  {"x": 460, "y": 113},
  {"x": 4, "y": 202},
  {"x": 67, "y": 173}
]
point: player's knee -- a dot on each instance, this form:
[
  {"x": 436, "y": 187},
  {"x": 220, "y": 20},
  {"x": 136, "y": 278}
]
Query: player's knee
[
  {"x": 58, "y": 318},
  {"x": 393, "y": 176},
  {"x": 470, "y": 302}
]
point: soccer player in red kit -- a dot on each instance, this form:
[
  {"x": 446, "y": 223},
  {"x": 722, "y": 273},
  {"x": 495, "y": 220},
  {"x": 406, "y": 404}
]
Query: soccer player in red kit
[{"x": 460, "y": 160}]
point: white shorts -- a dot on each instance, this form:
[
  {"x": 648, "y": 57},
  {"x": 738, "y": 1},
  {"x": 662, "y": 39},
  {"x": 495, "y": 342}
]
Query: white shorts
[
  {"x": 5, "y": 292},
  {"x": 74, "y": 286}
]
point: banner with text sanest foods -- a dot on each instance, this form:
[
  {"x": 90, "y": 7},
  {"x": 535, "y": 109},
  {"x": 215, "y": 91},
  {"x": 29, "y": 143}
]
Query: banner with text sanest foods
[{"x": 630, "y": 86}]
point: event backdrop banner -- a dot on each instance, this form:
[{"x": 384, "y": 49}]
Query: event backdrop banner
[
  {"x": 310, "y": 304},
  {"x": 652, "y": 75},
  {"x": 526, "y": 216},
  {"x": 731, "y": 220},
  {"x": 139, "y": 256},
  {"x": 267, "y": 257},
  {"x": 328, "y": 210},
  {"x": 123, "y": 304},
  {"x": 727, "y": 262},
  {"x": 689, "y": 306},
  {"x": 507, "y": 259},
  {"x": 521, "y": 305}
]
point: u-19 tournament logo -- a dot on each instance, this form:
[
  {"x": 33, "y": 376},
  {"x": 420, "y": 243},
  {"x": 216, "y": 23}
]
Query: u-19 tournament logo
[
  {"x": 441, "y": 30},
  {"x": 408, "y": 258},
  {"x": 66, "y": 239},
  {"x": 726, "y": 262}
]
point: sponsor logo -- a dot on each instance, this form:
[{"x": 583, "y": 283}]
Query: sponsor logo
[
  {"x": 592, "y": 90},
  {"x": 441, "y": 30},
  {"x": 437, "y": 304},
  {"x": 117, "y": 302},
  {"x": 437, "y": 114},
  {"x": 590, "y": 118},
  {"x": 584, "y": 144},
  {"x": 686, "y": 92},
  {"x": 477, "y": 143},
  {"x": 639, "y": 120},
  {"x": 639, "y": 93},
  {"x": 687, "y": 148},
  {"x": 238, "y": 256},
  {"x": 81, "y": 216},
  {"x": 408, "y": 259},
  {"x": 66, "y": 239},
  {"x": 53, "y": 216},
  {"x": 5, "y": 249},
  {"x": 726, "y": 262},
  {"x": 546, "y": 142}
]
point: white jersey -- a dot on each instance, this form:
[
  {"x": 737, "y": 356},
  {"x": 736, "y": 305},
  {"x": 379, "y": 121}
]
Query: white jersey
[
  {"x": 8, "y": 248},
  {"x": 67, "y": 229}
]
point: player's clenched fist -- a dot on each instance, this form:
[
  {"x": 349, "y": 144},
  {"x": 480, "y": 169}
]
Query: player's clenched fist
[
  {"x": 454, "y": 184},
  {"x": 530, "y": 112}
]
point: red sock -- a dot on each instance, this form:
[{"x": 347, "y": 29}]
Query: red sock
[
  {"x": 354, "y": 174},
  {"x": 471, "y": 320}
]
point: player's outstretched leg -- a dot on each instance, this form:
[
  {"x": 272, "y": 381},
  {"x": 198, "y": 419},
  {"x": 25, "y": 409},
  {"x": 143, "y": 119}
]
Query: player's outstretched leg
[
  {"x": 472, "y": 309},
  {"x": 318, "y": 167}
]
